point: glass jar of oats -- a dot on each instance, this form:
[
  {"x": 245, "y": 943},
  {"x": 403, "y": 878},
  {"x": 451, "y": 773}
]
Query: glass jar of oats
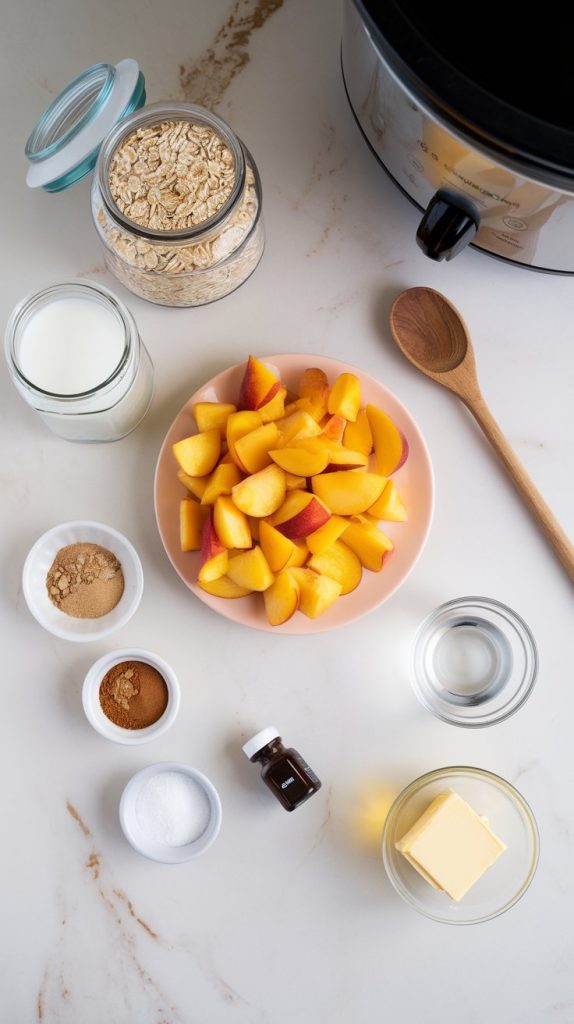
[{"x": 176, "y": 196}]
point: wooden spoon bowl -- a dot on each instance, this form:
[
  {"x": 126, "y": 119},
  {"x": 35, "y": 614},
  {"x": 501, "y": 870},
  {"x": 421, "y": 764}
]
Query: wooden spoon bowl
[{"x": 432, "y": 335}]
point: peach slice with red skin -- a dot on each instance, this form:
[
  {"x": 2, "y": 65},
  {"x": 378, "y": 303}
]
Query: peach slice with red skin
[
  {"x": 197, "y": 455},
  {"x": 358, "y": 436},
  {"x": 281, "y": 599},
  {"x": 345, "y": 396},
  {"x": 231, "y": 524},
  {"x": 299, "y": 515},
  {"x": 259, "y": 385},
  {"x": 213, "y": 558},
  {"x": 369, "y": 544},
  {"x": 191, "y": 519},
  {"x": 390, "y": 506},
  {"x": 321, "y": 539},
  {"x": 213, "y": 415},
  {"x": 334, "y": 428},
  {"x": 391, "y": 448},
  {"x": 349, "y": 491},
  {"x": 342, "y": 458},
  {"x": 316, "y": 593},
  {"x": 340, "y": 564},
  {"x": 252, "y": 450},
  {"x": 300, "y": 462},
  {"x": 223, "y": 587},
  {"x": 250, "y": 569},
  {"x": 262, "y": 493},
  {"x": 221, "y": 481},
  {"x": 274, "y": 409}
]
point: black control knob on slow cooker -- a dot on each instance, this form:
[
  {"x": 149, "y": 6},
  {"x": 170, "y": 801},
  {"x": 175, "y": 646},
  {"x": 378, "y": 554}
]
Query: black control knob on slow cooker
[{"x": 449, "y": 222}]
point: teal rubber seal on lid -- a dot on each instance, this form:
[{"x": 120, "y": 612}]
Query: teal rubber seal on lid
[{"x": 64, "y": 144}]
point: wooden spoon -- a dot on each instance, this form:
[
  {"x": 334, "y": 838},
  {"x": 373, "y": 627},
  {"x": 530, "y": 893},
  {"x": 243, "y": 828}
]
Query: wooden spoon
[{"x": 431, "y": 333}]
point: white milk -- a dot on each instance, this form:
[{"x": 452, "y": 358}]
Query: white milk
[{"x": 71, "y": 345}]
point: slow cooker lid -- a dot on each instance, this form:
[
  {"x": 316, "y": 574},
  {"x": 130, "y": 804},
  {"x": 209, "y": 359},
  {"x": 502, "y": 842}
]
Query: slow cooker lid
[{"x": 503, "y": 79}]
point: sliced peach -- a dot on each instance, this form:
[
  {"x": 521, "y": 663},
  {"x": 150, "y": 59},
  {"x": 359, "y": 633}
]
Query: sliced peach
[
  {"x": 212, "y": 415},
  {"x": 253, "y": 448},
  {"x": 368, "y": 543},
  {"x": 254, "y": 526},
  {"x": 213, "y": 558},
  {"x": 314, "y": 387},
  {"x": 391, "y": 448},
  {"x": 223, "y": 587},
  {"x": 295, "y": 483},
  {"x": 195, "y": 484},
  {"x": 221, "y": 481},
  {"x": 274, "y": 409},
  {"x": 300, "y": 462},
  {"x": 316, "y": 593},
  {"x": 250, "y": 569},
  {"x": 321, "y": 539},
  {"x": 198, "y": 454},
  {"x": 262, "y": 493},
  {"x": 299, "y": 555},
  {"x": 348, "y": 492},
  {"x": 300, "y": 514},
  {"x": 238, "y": 425},
  {"x": 259, "y": 385},
  {"x": 281, "y": 599},
  {"x": 345, "y": 396},
  {"x": 333, "y": 428},
  {"x": 191, "y": 519},
  {"x": 231, "y": 524},
  {"x": 390, "y": 506},
  {"x": 339, "y": 563},
  {"x": 277, "y": 549},
  {"x": 341, "y": 458},
  {"x": 358, "y": 436},
  {"x": 297, "y": 424}
]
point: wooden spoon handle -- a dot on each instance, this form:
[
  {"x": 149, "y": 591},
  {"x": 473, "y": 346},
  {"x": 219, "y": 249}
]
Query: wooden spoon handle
[{"x": 530, "y": 495}]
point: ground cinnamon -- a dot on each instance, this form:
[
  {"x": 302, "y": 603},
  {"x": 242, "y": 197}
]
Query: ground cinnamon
[{"x": 133, "y": 695}]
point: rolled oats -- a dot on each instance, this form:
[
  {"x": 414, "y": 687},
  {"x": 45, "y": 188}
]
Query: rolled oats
[
  {"x": 172, "y": 175},
  {"x": 185, "y": 274}
]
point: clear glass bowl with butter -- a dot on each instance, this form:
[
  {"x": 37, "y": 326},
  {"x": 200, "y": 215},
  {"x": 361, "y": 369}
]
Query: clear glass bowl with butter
[{"x": 509, "y": 817}]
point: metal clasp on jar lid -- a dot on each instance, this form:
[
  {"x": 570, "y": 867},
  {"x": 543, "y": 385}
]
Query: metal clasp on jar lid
[{"x": 64, "y": 144}]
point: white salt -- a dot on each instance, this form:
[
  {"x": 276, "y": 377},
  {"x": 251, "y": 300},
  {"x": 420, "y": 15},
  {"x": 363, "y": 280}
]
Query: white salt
[{"x": 172, "y": 809}]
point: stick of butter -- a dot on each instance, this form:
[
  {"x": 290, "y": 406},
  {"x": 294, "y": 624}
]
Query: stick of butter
[{"x": 450, "y": 845}]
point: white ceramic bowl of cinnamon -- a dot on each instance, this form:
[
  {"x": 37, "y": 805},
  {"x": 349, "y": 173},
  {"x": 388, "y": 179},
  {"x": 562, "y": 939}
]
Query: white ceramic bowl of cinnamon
[
  {"x": 82, "y": 580},
  {"x": 122, "y": 692}
]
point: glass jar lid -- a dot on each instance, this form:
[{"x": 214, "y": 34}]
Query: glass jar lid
[{"x": 64, "y": 144}]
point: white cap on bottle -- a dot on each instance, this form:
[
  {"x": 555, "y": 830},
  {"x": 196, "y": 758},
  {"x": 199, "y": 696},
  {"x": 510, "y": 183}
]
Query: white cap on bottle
[{"x": 260, "y": 740}]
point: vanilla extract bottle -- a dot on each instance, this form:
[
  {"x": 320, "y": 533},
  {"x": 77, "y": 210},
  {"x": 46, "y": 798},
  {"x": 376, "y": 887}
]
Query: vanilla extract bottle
[{"x": 283, "y": 769}]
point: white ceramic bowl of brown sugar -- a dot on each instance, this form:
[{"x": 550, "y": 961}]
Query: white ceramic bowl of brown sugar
[
  {"x": 82, "y": 580},
  {"x": 131, "y": 696}
]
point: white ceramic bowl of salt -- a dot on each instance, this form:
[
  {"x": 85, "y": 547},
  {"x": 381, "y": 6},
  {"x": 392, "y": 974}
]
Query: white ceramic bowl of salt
[
  {"x": 170, "y": 812},
  {"x": 40, "y": 559}
]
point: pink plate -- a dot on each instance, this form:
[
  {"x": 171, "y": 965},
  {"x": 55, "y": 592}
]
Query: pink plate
[{"x": 414, "y": 480}]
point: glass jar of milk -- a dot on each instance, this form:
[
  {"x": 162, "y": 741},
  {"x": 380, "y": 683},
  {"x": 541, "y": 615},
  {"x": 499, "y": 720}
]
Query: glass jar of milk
[{"x": 75, "y": 356}]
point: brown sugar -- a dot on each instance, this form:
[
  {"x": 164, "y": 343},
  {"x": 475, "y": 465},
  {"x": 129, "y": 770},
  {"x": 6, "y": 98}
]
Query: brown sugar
[
  {"x": 133, "y": 695},
  {"x": 85, "y": 581}
]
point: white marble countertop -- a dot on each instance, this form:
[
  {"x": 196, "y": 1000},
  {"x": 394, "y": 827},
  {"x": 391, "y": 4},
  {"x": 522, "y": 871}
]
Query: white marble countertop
[{"x": 287, "y": 918}]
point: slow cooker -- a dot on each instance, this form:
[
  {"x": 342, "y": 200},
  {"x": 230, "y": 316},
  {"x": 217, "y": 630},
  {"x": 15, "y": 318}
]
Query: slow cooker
[{"x": 474, "y": 120}]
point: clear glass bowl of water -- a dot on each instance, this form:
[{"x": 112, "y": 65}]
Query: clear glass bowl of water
[{"x": 474, "y": 662}]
